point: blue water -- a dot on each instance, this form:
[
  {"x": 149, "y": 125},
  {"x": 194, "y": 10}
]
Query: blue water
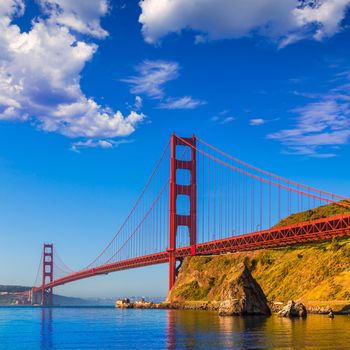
[{"x": 109, "y": 328}]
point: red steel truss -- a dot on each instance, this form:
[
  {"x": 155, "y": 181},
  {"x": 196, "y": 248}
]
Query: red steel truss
[{"x": 333, "y": 226}]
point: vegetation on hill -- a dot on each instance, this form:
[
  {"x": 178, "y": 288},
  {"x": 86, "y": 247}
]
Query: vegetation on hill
[{"x": 317, "y": 213}]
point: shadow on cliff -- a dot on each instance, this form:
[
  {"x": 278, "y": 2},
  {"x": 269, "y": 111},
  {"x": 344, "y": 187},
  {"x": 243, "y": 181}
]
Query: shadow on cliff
[{"x": 345, "y": 310}]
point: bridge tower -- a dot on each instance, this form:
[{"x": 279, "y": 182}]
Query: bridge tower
[
  {"x": 176, "y": 220},
  {"x": 46, "y": 293}
]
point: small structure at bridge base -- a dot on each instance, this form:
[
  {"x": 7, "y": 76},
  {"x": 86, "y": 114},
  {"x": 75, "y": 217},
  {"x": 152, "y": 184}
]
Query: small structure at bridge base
[{"x": 35, "y": 297}]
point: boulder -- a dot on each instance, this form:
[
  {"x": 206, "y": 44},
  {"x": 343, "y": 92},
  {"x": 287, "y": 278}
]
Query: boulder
[
  {"x": 124, "y": 304},
  {"x": 243, "y": 295},
  {"x": 142, "y": 304},
  {"x": 292, "y": 309}
]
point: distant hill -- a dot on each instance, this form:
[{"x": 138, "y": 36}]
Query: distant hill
[
  {"x": 9, "y": 295},
  {"x": 13, "y": 289}
]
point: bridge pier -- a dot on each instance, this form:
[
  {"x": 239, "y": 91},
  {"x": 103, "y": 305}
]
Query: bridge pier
[
  {"x": 35, "y": 297},
  {"x": 176, "y": 220}
]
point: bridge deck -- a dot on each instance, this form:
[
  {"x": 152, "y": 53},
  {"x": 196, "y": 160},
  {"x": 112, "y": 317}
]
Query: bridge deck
[{"x": 325, "y": 228}]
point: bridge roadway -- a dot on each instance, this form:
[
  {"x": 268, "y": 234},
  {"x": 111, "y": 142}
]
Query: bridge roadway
[{"x": 320, "y": 229}]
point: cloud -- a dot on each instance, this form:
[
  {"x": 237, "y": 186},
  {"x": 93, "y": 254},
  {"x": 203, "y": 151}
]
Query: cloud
[
  {"x": 11, "y": 7},
  {"x": 284, "y": 21},
  {"x": 200, "y": 39},
  {"x": 40, "y": 70},
  {"x": 150, "y": 81},
  {"x": 320, "y": 125},
  {"x": 327, "y": 14},
  {"x": 223, "y": 117},
  {"x": 261, "y": 121},
  {"x": 257, "y": 121},
  {"x": 90, "y": 143},
  {"x": 228, "y": 120},
  {"x": 81, "y": 16},
  {"x": 138, "y": 103},
  {"x": 186, "y": 102},
  {"x": 152, "y": 75}
]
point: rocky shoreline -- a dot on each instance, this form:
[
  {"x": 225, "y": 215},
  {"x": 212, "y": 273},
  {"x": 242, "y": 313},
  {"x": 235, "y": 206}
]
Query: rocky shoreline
[{"x": 275, "y": 307}]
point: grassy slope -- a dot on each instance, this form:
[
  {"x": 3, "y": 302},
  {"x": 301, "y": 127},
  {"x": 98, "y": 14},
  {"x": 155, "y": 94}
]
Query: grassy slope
[
  {"x": 310, "y": 272},
  {"x": 317, "y": 272},
  {"x": 317, "y": 213}
]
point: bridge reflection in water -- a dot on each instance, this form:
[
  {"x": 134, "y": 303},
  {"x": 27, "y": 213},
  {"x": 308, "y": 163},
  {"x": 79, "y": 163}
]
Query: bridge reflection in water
[{"x": 46, "y": 328}]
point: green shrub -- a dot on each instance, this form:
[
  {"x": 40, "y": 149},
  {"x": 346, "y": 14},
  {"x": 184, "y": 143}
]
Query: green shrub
[{"x": 192, "y": 291}]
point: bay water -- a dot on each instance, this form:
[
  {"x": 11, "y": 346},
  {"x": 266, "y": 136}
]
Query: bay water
[{"x": 110, "y": 328}]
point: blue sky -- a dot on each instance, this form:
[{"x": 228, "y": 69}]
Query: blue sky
[{"x": 90, "y": 92}]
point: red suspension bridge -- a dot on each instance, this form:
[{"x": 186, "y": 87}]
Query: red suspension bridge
[{"x": 209, "y": 203}]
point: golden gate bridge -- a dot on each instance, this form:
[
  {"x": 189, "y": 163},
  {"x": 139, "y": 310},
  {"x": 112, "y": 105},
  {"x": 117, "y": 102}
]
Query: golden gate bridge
[{"x": 208, "y": 203}]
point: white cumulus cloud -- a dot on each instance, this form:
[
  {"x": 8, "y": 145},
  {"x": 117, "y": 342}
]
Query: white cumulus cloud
[
  {"x": 284, "y": 21},
  {"x": 82, "y": 16},
  {"x": 40, "y": 70}
]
